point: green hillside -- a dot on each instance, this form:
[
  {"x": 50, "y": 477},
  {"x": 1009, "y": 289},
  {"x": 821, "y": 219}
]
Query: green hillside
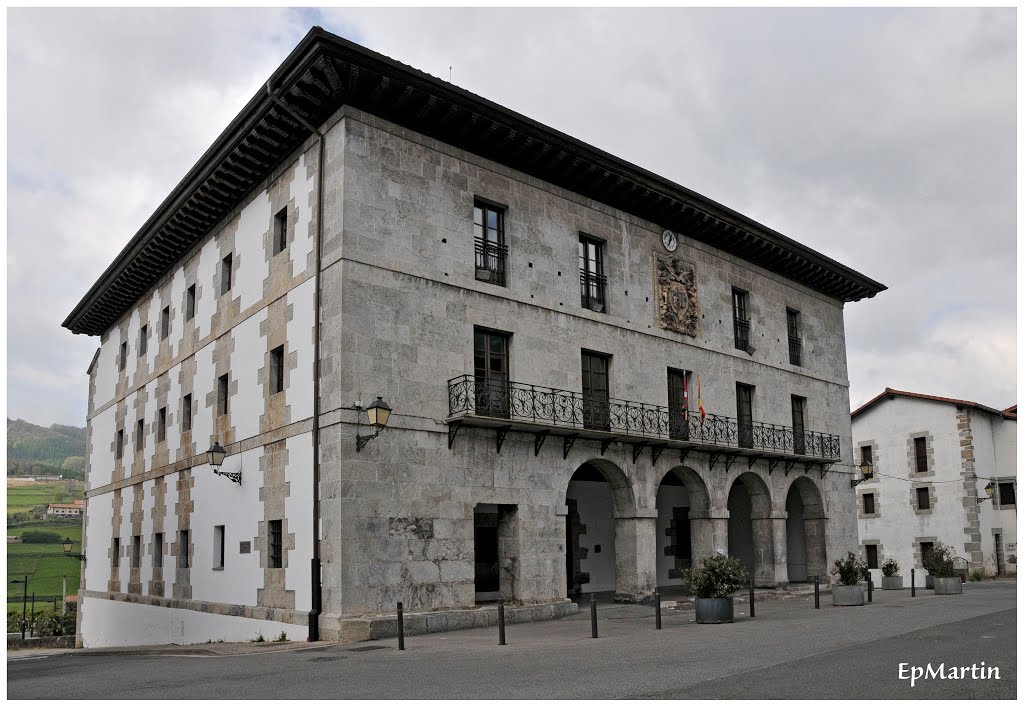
[{"x": 33, "y": 450}]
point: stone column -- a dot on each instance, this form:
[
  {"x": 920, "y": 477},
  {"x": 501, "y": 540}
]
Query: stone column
[
  {"x": 709, "y": 534},
  {"x": 636, "y": 556},
  {"x": 817, "y": 564},
  {"x": 764, "y": 552},
  {"x": 781, "y": 554}
]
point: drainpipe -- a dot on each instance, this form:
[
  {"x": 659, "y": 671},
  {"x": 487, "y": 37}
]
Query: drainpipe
[{"x": 316, "y": 596}]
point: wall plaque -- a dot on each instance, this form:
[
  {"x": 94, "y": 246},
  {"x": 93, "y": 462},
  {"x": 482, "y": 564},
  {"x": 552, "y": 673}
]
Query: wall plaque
[{"x": 675, "y": 290}]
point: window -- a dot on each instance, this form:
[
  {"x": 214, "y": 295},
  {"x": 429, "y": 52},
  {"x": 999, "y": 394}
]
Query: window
[
  {"x": 119, "y": 445},
  {"x": 122, "y": 360},
  {"x": 183, "y": 541},
  {"x": 921, "y": 454},
  {"x": 281, "y": 230},
  {"x": 140, "y": 435},
  {"x": 225, "y": 274},
  {"x": 165, "y": 323},
  {"x": 869, "y": 503},
  {"x": 872, "y": 552},
  {"x": 1007, "y": 494},
  {"x": 275, "y": 554},
  {"x": 136, "y": 551},
  {"x": 115, "y": 553},
  {"x": 795, "y": 342},
  {"x": 741, "y": 322},
  {"x": 489, "y": 243},
  {"x": 592, "y": 279},
  {"x": 161, "y": 425},
  {"x": 218, "y": 547},
  {"x": 596, "y": 412},
  {"x": 143, "y": 340},
  {"x": 865, "y": 454},
  {"x": 923, "y": 499},
  {"x": 490, "y": 370},
  {"x": 222, "y": 395},
  {"x": 186, "y": 413},
  {"x": 678, "y": 404},
  {"x": 926, "y": 549},
  {"x": 277, "y": 370},
  {"x": 745, "y": 414},
  {"x": 158, "y": 549},
  {"x": 798, "y": 405},
  {"x": 190, "y": 303}
]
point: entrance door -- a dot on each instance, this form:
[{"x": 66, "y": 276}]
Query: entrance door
[
  {"x": 485, "y": 553},
  {"x": 595, "y": 391},
  {"x": 490, "y": 367},
  {"x": 745, "y": 414}
]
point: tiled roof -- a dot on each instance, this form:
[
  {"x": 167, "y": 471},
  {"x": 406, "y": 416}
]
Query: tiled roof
[{"x": 1009, "y": 413}]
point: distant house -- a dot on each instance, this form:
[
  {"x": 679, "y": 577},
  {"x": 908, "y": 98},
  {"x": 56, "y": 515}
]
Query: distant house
[{"x": 64, "y": 509}]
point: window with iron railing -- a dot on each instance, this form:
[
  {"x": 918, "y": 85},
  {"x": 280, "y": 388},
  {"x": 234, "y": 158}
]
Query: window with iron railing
[
  {"x": 490, "y": 370},
  {"x": 596, "y": 409},
  {"x": 795, "y": 341},
  {"x": 745, "y": 414},
  {"x": 489, "y": 247},
  {"x": 798, "y": 404},
  {"x": 593, "y": 282},
  {"x": 741, "y": 322}
]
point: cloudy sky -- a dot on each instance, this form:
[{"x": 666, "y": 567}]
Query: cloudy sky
[{"x": 885, "y": 139}]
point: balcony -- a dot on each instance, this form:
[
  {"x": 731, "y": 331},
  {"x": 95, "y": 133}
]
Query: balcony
[
  {"x": 490, "y": 261},
  {"x": 592, "y": 288},
  {"x": 508, "y": 406},
  {"x": 741, "y": 330}
]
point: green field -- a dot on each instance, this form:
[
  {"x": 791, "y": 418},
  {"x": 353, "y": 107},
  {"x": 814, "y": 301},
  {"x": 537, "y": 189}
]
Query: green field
[{"x": 45, "y": 564}]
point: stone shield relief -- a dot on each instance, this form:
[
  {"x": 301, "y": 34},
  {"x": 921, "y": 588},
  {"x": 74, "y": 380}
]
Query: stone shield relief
[{"x": 675, "y": 290}]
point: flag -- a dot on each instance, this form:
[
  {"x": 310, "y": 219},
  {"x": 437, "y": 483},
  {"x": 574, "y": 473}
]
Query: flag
[
  {"x": 700, "y": 405},
  {"x": 686, "y": 400}
]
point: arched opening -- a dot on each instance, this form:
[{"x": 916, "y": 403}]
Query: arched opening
[
  {"x": 598, "y": 493},
  {"x": 683, "y": 533},
  {"x": 805, "y": 531},
  {"x": 750, "y": 527}
]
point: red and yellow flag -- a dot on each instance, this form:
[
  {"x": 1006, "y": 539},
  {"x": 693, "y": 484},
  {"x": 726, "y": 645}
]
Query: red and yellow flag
[{"x": 700, "y": 405}]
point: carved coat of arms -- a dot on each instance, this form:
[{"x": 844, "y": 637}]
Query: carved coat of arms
[{"x": 675, "y": 291}]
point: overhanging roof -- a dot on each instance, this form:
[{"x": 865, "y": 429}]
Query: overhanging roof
[
  {"x": 1009, "y": 413},
  {"x": 325, "y": 72}
]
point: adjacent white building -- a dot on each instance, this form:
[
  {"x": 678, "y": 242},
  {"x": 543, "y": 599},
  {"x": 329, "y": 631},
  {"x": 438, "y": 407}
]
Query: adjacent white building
[{"x": 932, "y": 459}]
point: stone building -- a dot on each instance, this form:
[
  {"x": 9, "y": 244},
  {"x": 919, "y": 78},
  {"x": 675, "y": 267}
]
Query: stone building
[
  {"x": 534, "y": 310},
  {"x": 932, "y": 458}
]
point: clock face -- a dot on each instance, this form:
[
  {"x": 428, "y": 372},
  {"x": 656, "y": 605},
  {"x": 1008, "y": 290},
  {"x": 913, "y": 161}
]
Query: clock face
[{"x": 669, "y": 240}]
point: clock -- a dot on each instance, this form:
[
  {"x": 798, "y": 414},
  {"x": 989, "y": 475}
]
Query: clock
[{"x": 669, "y": 240}]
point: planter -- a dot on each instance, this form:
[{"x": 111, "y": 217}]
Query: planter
[
  {"x": 948, "y": 585},
  {"x": 892, "y": 582},
  {"x": 843, "y": 595},
  {"x": 929, "y": 581},
  {"x": 713, "y": 611}
]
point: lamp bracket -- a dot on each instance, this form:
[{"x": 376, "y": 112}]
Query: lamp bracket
[{"x": 235, "y": 476}]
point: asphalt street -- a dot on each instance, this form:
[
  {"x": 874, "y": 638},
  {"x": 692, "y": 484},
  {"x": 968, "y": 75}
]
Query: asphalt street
[{"x": 789, "y": 651}]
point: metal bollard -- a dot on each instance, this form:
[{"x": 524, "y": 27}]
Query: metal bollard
[
  {"x": 657, "y": 611},
  {"x": 501, "y": 623},
  {"x": 751, "y": 597},
  {"x": 593, "y": 616},
  {"x": 870, "y": 584},
  {"x": 817, "y": 599},
  {"x": 401, "y": 629},
  {"x": 913, "y": 589}
]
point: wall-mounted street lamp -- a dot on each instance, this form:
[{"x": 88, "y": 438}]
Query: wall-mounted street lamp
[
  {"x": 215, "y": 457},
  {"x": 866, "y": 473},
  {"x": 68, "y": 544},
  {"x": 990, "y": 489},
  {"x": 378, "y": 414}
]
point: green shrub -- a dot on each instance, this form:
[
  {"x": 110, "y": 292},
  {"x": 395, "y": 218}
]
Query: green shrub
[
  {"x": 890, "y": 568},
  {"x": 259, "y": 639},
  {"x": 281, "y": 638},
  {"x": 716, "y": 577},
  {"x": 41, "y": 536},
  {"x": 48, "y": 621},
  {"x": 850, "y": 570},
  {"x": 977, "y": 576},
  {"x": 939, "y": 561}
]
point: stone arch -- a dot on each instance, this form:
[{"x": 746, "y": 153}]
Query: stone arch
[
  {"x": 751, "y": 537},
  {"x": 805, "y": 531},
  {"x": 684, "y": 535},
  {"x": 604, "y": 531}
]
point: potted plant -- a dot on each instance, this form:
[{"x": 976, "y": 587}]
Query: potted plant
[
  {"x": 713, "y": 583},
  {"x": 849, "y": 571},
  {"x": 890, "y": 575},
  {"x": 940, "y": 564}
]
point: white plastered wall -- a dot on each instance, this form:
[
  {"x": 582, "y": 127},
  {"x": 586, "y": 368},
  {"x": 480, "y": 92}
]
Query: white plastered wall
[{"x": 253, "y": 269}]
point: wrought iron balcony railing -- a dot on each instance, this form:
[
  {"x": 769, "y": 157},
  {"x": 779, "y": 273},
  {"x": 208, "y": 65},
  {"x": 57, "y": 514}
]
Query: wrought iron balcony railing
[
  {"x": 592, "y": 289},
  {"x": 795, "y": 346},
  {"x": 555, "y": 408},
  {"x": 490, "y": 261},
  {"x": 741, "y": 329}
]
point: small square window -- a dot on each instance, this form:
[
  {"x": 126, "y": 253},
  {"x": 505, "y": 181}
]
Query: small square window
[
  {"x": 218, "y": 547},
  {"x": 190, "y": 303},
  {"x": 186, "y": 413},
  {"x": 275, "y": 553},
  {"x": 158, "y": 549},
  {"x": 872, "y": 554},
  {"x": 122, "y": 359},
  {"x": 183, "y": 552},
  {"x": 222, "y": 395},
  {"x": 1007, "y": 494},
  {"x": 869, "y": 503},
  {"x": 143, "y": 340},
  {"x": 165, "y": 323},
  {"x": 115, "y": 553},
  {"x": 281, "y": 230},
  {"x": 277, "y": 370},
  {"x": 923, "y": 499},
  {"x": 119, "y": 445},
  {"x": 225, "y": 274}
]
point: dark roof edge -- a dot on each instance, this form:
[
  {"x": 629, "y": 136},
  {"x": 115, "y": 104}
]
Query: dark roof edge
[{"x": 1007, "y": 414}]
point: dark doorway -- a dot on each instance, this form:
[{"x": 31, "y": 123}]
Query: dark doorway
[{"x": 485, "y": 553}]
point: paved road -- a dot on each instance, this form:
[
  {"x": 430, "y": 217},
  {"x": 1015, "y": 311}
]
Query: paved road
[{"x": 789, "y": 651}]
